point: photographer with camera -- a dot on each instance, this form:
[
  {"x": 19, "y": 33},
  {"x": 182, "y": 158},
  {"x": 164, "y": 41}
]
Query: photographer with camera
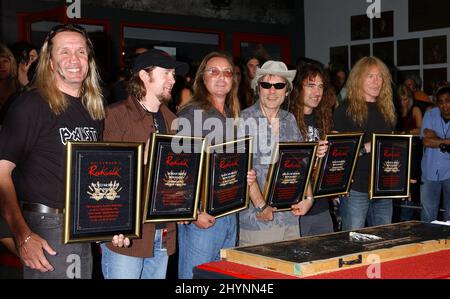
[{"x": 436, "y": 158}]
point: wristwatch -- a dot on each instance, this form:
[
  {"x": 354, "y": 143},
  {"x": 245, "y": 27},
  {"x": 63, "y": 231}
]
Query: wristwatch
[
  {"x": 443, "y": 147},
  {"x": 259, "y": 210},
  {"x": 363, "y": 151}
]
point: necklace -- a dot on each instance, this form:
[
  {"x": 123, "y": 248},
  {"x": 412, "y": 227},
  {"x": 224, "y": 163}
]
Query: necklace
[
  {"x": 153, "y": 114},
  {"x": 267, "y": 117}
]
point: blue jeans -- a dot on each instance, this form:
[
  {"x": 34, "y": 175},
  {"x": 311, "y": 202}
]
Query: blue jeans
[
  {"x": 198, "y": 246},
  {"x": 119, "y": 266},
  {"x": 358, "y": 208},
  {"x": 430, "y": 198}
]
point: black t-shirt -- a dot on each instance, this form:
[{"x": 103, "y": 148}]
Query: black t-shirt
[
  {"x": 158, "y": 121},
  {"x": 34, "y": 138},
  {"x": 375, "y": 124},
  {"x": 322, "y": 204},
  {"x": 313, "y": 131}
]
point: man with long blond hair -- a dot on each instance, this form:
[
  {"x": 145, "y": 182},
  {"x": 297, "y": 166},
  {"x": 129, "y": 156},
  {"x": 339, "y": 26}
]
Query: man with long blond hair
[
  {"x": 369, "y": 108},
  {"x": 66, "y": 105}
]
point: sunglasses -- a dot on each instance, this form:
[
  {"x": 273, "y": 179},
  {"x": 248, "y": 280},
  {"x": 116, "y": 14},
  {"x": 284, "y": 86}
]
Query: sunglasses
[
  {"x": 66, "y": 27},
  {"x": 215, "y": 72},
  {"x": 267, "y": 85}
]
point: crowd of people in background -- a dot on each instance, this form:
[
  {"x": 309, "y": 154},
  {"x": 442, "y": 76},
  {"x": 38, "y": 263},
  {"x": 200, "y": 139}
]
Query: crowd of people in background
[{"x": 44, "y": 89}]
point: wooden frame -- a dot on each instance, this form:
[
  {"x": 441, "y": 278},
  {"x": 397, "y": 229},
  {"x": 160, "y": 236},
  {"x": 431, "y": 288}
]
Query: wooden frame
[
  {"x": 283, "y": 41},
  {"x": 220, "y": 34}
]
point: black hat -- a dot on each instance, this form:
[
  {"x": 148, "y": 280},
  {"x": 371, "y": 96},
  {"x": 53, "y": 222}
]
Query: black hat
[{"x": 155, "y": 57}]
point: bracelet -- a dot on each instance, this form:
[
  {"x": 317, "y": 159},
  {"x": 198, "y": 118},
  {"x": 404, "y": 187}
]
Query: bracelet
[
  {"x": 259, "y": 210},
  {"x": 309, "y": 198},
  {"x": 26, "y": 240},
  {"x": 363, "y": 151}
]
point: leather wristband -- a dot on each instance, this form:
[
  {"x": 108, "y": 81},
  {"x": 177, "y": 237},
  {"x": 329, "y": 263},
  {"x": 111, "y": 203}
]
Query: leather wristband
[{"x": 259, "y": 210}]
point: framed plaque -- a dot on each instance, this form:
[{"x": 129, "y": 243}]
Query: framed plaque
[
  {"x": 173, "y": 183},
  {"x": 103, "y": 191},
  {"x": 289, "y": 172},
  {"x": 335, "y": 171},
  {"x": 225, "y": 189},
  {"x": 391, "y": 166}
]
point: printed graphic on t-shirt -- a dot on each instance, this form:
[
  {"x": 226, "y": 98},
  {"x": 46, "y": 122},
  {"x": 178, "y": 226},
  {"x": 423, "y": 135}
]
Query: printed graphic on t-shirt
[
  {"x": 78, "y": 134},
  {"x": 313, "y": 134}
]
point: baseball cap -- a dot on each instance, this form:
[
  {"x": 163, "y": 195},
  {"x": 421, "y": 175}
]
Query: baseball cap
[{"x": 155, "y": 57}]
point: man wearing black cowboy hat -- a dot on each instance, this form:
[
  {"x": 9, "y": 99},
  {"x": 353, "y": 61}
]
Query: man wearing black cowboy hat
[{"x": 133, "y": 120}]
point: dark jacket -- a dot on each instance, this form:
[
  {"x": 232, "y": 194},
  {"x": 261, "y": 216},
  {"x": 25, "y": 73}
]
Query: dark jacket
[{"x": 127, "y": 121}]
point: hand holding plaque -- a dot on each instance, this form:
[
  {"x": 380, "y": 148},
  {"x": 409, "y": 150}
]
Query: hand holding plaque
[
  {"x": 225, "y": 184},
  {"x": 173, "y": 183},
  {"x": 289, "y": 174},
  {"x": 103, "y": 191}
]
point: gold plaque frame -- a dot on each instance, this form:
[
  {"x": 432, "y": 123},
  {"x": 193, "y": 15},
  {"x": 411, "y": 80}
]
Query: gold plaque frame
[{"x": 102, "y": 191}]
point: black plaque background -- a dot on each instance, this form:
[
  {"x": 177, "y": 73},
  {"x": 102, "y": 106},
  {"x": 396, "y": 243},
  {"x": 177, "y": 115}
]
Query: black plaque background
[
  {"x": 350, "y": 145},
  {"x": 216, "y": 192},
  {"x": 295, "y": 190},
  {"x": 81, "y": 202},
  {"x": 181, "y": 198},
  {"x": 398, "y": 146}
]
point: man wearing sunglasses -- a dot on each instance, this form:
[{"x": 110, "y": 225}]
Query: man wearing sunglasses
[
  {"x": 268, "y": 124},
  {"x": 66, "y": 106}
]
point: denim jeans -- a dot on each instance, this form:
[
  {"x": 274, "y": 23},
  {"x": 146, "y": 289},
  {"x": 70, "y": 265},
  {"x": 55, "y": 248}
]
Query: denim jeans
[
  {"x": 430, "y": 198},
  {"x": 198, "y": 246},
  {"x": 119, "y": 266},
  {"x": 71, "y": 261},
  {"x": 357, "y": 209}
]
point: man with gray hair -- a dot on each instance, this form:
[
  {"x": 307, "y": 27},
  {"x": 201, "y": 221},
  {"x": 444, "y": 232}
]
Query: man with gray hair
[{"x": 266, "y": 120}]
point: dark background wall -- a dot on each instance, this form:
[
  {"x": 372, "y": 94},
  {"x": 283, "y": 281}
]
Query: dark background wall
[{"x": 268, "y": 17}]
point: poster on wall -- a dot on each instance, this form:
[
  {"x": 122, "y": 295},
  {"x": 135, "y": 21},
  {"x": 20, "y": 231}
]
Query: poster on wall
[
  {"x": 408, "y": 52},
  {"x": 339, "y": 57},
  {"x": 360, "y": 27},
  {"x": 435, "y": 50},
  {"x": 384, "y": 26},
  {"x": 384, "y": 51},
  {"x": 358, "y": 52}
]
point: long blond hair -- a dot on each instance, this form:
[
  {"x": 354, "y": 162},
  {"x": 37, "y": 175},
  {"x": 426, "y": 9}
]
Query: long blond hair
[
  {"x": 91, "y": 95},
  {"x": 357, "y": 108},
  {"x": 201, "y": 96}
]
